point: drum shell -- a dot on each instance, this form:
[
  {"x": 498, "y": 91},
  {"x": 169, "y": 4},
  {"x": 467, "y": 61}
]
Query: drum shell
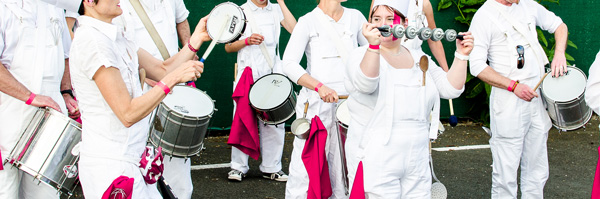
[
  {"x": 177, "y": 134},
  {"x": 45, "y": 150},
  {"x": 280, "y": 113}
]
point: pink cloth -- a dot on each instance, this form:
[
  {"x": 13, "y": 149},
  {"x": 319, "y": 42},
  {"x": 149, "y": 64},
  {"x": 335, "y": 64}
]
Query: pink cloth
[
  {"x": 151, "y": 164},
  {"x": 121, "y": 188},
  {"x": 596, "y": 186},
  {"x": 1, "y": 162},
  {"x": 192, "y": 84},
  {"x": 244, "y": 128},
  {"x": 358, "y": 188},
  {"x": 315, "y": 161}
]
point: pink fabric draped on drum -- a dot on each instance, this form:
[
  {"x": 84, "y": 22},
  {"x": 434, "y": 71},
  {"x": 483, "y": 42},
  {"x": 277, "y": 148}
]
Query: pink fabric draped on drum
[
  {"x": 121, "y": 188},
  {"x": 244, "y": 128},
  {"x": 315, "y": 161}
]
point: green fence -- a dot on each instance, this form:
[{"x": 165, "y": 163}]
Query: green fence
[{"x": 217, "y": 80}]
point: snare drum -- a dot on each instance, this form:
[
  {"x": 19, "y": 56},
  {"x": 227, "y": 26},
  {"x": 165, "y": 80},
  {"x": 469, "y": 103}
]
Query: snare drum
[
  {"x": 48, "y": 150},
  {"x": 234, "y": 29},
  {"x": 564, "y": 99},
  {"x": 273, "y": 98},
  {"x": 181, "y": 120}
]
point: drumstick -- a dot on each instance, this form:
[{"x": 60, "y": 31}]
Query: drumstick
[
  {"x": 343, "y": 97},
  {"x": 214, "y": 42},
  {"x": 541, "y": 80},
  {"x": 142, "y": 77}
]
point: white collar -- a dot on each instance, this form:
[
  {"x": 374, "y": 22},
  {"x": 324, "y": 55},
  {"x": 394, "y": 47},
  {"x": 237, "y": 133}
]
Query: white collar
[
  {"x": 110, "y": 30},
  {"x": 253, "y": 6}
]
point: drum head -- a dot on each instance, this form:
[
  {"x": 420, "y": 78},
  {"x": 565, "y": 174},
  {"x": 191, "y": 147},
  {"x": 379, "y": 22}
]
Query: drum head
[
  {"x": 342, "y": 113},
  {"x": 189, "y": 101},
  {"x": 270, "y": 91},
  {"x": 565, "y": 88},
  {"x": 229, "y": 15}
]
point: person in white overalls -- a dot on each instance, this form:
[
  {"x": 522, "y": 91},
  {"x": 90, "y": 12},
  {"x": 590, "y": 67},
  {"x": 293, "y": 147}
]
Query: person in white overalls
[
  {"x": 390, "y": 103},
  {"x": 592, "y": 92},
  {"x": 249, "y": 55},
  {"x": 34, "y": 48},
  {"x": 316, "y": 34},
  {"x": 506, "y": 33},
  {"x": 104, "y": 70}
]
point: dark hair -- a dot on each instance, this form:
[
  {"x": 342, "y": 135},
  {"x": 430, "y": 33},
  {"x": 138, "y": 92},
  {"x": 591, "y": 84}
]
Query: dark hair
[
  {"x": 81, "y": 10},
  {"x": 402, "y": 17}
]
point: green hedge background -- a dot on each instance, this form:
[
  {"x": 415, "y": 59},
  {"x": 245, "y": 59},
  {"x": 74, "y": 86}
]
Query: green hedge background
[{"x": 581, "y": 17}]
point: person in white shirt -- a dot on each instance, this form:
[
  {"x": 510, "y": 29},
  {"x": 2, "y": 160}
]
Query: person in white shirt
[
  {"x": 105, "y": 65},
  {"x": 34, "y": 49},
  {"x": 323, "y": 72},
  {"x": 592, "y": 92},
  {"x": 507, "y": 38},
  {"x": 249, "y": 55},
  {"x": 390, "y": 104}
]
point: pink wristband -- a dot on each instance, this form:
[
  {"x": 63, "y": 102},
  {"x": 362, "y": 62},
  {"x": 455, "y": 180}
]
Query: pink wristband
[
  {"x": 164, "y": 87},
  {"x": 510, "y": 87},
  {"x": 374, "y": 47},
  {"x": 191, "y": 47},
  {"x": 246, "y": 41},
  {"x": 31, "y": 97},
  {"x": 318, "y": 86}
]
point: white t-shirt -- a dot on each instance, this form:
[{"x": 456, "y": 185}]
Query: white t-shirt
[
  {"x": 164, "y": 14},
  {"x": 493, "y": 43},
  {"x": 98, "y": 44}
]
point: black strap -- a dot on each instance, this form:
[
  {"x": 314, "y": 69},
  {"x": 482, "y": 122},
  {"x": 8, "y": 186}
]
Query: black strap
[
  {"x": 165, "y": 190},
  {"x": 69, "y": 91}
]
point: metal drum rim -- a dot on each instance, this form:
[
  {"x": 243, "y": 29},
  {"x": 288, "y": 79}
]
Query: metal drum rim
[
  {"x": 243, "y": 19},
  {"x": 579, "y": 96},
  {"x": 162, "y": 104}
]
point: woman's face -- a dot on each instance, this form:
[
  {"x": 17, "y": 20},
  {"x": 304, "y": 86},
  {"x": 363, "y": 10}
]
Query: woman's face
[
  {"x": 108, "y": 8},
  {"x": 383, "y": 16}
]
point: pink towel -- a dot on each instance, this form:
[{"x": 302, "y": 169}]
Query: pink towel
[
  {"x": 596, "y": 186},
  {"x": 358, "y": 188},
  {"x": 1, "y": 162},
  {"x": 315, "y": 161},
  {"x": 244, "y": 128},
  {"x": 121, "y": 188}
]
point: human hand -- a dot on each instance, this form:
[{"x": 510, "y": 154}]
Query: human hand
[
  {"x": 327, "y": 94},
  {"x": 371, "y": 33},
  {"x": 524, "y": 92},
  {"x": 201, "y": 30},
  {"x": 188, "y": 71},
  {"x": 559, "y": 65},
  {"x": 255, "y": 39},
  {"x": 72, "y": 106},
  {"x": 465, "y": 46},
  {"x": 45, "y": 101}
]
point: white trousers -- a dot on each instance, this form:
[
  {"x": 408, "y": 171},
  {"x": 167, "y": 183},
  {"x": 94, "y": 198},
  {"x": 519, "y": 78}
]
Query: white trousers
[
  {"x": 177, "y": 173},
  {"x": 297, "y": 184},
  {"x": 18, "y": 184},
  {"x": 519, "y": 135},
  {"x": 271, "y": 149}
]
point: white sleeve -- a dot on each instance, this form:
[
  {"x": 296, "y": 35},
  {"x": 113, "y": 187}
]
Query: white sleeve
[
  {"x": 361, "y": 38},
  {"x": 359, "y": 81},
  {"x": 545, "y": 19},
  {"x": 440, "y": 77},
  {"x": 66, "y": 38},
  {"x": 480, "y": 26},
  {"x": 592, "y": 90},
  {"x": 181, "y": 12},
  {"x": 71, "y": 14},
  {"x": 294, "y": 51},
  {"x": 94, "y": 58},
  {"x": 279, "y": 12}
]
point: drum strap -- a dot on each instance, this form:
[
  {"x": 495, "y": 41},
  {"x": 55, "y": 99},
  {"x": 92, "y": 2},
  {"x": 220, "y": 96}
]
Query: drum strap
[
  {"x": 137, "y": 6},
  {"x": 262, "y": 46},
  {"x": 333, "y": 35}
]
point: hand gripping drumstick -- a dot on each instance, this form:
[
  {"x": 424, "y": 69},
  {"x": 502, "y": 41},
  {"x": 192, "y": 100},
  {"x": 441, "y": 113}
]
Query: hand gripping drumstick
[{"x": 214, "y": 41}]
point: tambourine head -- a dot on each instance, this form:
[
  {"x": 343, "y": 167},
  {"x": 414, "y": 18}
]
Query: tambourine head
[
  {"x": 235, "y": 20},
  {"x": 450, "y": 35},
  {"x": 411, "y": 32},
  {"x": 438, "y": 34}
]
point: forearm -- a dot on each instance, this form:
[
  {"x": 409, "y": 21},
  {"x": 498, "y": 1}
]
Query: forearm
[
  {"x": 11, "y": 86},
  {"x": 457, "y": 75},
  {"x": 561, "y": 36},
  {"x": 308, "y": 81},
  {"x": 65, "y": 83},
  {"x": 235, "y": 46},
  {"x": 289, "y": 22},
  {"x": 490, "y": 76},
  {"x": 370, "y": 63},
  {"x": 437, "y": 49},
  {"x": 183, "y": 32}
]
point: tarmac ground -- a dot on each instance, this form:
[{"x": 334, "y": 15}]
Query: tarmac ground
[{"x": 573, "y": 156}]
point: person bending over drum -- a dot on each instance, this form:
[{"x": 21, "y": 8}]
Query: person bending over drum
[
  {"x": 392, "y": 92},
  {"x": 326, "y": 35},
  {"x": 104, "y": 69},
  {"x": 249, "y": 54},
  {"x": 507, "y": 37}
]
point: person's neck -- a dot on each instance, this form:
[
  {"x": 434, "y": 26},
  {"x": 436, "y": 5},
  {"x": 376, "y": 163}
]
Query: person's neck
[
  {"x": 332, "y": 9},
  {"x": 392, "y": 47},
  {"x": 99, "y": 17},
  {"x": 504, "y": 2},
  {"x": 260, "y": 6}
]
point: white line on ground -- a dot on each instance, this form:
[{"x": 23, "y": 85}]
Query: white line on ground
[
  {"x": 211, "y": 166},
  {"x": 458, "y": 148}
]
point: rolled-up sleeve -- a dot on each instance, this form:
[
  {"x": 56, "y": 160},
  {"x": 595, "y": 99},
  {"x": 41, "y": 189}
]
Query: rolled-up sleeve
[
  {"x": 182, "y": 12},
  {"x": 440, "y": 77},
  {"x": 592, "y": 90},
  {"x": 545, "y": 19},
  {"x": 295, "y": 50},
  {"x": 359, "y": 81},
  {"x": 479, "y": 54}
]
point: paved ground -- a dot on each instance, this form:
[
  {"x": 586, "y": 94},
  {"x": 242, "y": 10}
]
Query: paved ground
[{"x": 465, "y": 173}]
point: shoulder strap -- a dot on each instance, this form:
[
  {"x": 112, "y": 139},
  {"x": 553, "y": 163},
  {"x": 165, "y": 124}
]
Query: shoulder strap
[
  {"x": 333, "y": 35},
  {"x": 137, "y": 6},
  {"x": 254, "y": 27}
]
